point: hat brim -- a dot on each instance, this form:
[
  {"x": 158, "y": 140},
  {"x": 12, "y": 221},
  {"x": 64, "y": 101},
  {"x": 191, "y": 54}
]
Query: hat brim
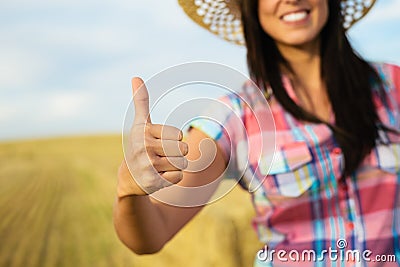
[{"x": 222, "y": 17}]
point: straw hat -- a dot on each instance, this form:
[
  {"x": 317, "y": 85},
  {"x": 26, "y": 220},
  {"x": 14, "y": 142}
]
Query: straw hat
[{"x": 222, "y": 17}]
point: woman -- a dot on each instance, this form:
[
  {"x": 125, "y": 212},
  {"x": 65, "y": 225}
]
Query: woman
[{"x": 337, "y": 119}]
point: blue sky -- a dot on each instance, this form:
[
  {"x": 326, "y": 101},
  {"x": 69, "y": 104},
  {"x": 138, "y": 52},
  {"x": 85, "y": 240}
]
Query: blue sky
[{"x": 65, "y": 66}]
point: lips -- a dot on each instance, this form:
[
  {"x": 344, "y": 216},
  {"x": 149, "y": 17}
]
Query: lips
[{"x": 295, "y": 16}]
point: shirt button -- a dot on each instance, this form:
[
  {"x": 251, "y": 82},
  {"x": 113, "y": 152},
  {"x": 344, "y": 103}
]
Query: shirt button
[
  {"x": 351, "y": 260},
  {"x": 350, "y": 226},
  {"x": 337, "y": 150}
]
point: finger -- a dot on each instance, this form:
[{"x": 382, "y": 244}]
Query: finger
[
  {"x": 141, "y": 101},
  {"x": 170, "y": 148},
  {"x": 166, "y": 132},
  {"x": 164, "y": 164},
  {"x": 172, "y": 177}
]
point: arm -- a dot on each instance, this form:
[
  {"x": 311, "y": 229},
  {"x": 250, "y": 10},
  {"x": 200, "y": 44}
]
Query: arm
[{"x": 136, "y": 214}]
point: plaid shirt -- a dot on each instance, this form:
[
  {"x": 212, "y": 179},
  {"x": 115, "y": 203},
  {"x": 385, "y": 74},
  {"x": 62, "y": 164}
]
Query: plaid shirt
[{"x": 301, "y": 204}]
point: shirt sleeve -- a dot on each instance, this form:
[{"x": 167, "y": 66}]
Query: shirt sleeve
[{"x": 395, "y": 74}]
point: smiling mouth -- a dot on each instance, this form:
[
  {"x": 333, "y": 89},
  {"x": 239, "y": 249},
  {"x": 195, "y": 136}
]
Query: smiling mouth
[{"x": 295, "y": 16}]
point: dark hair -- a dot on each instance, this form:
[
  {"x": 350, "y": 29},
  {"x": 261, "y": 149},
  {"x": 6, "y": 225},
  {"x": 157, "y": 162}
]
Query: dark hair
[{"x": 348, "y": 79}]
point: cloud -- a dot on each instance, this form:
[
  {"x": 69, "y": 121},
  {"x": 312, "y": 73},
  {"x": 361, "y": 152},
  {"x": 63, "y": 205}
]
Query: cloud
[
  {"x": 20, "y": 67},
  {"x": 7, "y": 112},
  {"x": 46, "y": 107},
  {"x": 63, "y": 105}
]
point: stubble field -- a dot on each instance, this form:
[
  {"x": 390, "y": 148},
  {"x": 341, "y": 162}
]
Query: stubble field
[{"x": 56, "y": 199}]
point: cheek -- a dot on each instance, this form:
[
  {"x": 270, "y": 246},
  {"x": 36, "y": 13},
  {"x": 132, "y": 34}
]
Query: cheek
[
  {"x": 266, "y": 15},
  {"x": 323, "y": 13}
]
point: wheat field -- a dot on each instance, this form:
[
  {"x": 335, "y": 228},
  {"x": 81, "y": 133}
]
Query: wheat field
[{"x": 56, "y": 199}]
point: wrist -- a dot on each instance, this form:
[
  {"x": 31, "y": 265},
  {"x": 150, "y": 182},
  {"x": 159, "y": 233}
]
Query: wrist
[{"x": 127, "y": 185}]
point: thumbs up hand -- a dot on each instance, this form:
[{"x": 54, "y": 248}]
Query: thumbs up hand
[{"x": 155, "y": 153}]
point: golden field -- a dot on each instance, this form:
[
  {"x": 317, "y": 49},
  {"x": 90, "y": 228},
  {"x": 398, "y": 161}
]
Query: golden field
[{"x": 56, "y": 199}]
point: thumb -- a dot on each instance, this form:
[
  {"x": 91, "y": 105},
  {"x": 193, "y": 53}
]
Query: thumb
[{"x": 141, "y": 101}]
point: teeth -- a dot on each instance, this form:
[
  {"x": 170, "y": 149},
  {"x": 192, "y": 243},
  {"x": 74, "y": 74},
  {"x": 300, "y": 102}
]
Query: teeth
[{"x": 295, "y": 16}]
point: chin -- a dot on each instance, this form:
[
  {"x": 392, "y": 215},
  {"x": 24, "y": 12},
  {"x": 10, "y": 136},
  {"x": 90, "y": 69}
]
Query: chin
[{"x": 298, "y": 40}]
